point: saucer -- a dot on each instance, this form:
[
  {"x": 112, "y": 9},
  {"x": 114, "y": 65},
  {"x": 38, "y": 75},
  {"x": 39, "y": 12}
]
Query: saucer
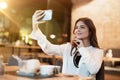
[{"x": 25, "y": 74}]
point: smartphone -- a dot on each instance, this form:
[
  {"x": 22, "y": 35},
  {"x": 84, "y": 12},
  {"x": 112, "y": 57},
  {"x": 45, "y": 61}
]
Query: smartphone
[{"x": 48, "y": 15}]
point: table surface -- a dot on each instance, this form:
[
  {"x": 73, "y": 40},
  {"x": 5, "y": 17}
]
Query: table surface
[
  {"x": 9, "y": 76},
  {"x": 111, "y": 59}
]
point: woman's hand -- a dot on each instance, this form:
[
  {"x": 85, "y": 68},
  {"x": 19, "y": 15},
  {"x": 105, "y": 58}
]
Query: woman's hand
[
  {"x": 37, "y": 18},
  {"x": 78, "y": 42}
]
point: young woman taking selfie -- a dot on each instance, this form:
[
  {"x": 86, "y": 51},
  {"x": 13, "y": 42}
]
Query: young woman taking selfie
[{"x": 82, "y": 56}]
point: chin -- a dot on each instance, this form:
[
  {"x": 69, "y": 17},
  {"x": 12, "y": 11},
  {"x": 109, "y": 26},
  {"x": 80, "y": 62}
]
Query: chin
[{"x": 79, "y": 37}]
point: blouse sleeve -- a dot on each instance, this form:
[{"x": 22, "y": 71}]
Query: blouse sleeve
[
  {"x": 45, "y": 45},
  {"x": 92, "y": 59}
]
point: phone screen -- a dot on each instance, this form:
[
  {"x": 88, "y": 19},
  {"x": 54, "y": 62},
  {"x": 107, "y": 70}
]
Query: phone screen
[{"x": 48, "y": 15}]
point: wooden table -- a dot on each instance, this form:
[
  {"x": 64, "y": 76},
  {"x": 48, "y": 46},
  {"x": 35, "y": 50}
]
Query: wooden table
[
  {"x": 13, "y": 77},
  {"x": 9, "y": 76},
  {"x": 113, "y": 60}
]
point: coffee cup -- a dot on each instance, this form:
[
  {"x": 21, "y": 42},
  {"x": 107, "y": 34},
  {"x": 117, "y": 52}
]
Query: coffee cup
[{"x": 49, "y": 70}]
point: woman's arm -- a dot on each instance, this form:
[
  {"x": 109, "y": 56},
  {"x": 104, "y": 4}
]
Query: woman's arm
[
  {"x": 45, "y": 45},
  {"x": 36, "y": 34},
  {"x": 92, "y": 59}
]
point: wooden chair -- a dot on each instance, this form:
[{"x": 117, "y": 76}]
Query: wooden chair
[{"x": 100, "y": 74}]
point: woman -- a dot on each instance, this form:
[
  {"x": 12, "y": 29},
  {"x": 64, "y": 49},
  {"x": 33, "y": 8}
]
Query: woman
[{"x": 82, "y": 56}]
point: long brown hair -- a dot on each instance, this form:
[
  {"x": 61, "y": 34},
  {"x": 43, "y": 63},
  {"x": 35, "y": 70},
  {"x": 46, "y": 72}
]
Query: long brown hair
[{"x": 92, "y": 30}]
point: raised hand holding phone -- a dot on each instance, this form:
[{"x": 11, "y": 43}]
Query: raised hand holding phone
[
  {"x": 41, "y": 16},
  {"x": 37, "y": 16}
]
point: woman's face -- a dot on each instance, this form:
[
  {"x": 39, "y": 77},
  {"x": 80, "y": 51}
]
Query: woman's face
[{"x": 81, "y": 30}]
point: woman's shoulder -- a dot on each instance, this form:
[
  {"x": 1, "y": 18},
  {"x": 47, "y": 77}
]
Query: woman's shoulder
[
  {"x": 97, "y": 49},
  {"x": 66, "y": 45}
]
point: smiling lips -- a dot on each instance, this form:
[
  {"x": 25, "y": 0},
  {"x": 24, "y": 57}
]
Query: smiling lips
[{"x": 78, "y": 34}]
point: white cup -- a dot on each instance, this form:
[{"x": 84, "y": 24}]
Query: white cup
[
  {"x": 49, "y": 70},
  {"x": 46, "y": 70}
]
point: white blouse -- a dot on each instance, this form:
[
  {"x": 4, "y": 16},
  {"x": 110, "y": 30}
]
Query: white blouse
[{"x": 89, "y": 63}]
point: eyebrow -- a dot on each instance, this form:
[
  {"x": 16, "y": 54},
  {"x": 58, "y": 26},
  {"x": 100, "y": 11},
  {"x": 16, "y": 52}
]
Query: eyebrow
[{"x": 81, "y": 26}]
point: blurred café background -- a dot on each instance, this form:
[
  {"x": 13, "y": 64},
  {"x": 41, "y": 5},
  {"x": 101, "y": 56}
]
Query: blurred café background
[{"x": 16, "y": 26}]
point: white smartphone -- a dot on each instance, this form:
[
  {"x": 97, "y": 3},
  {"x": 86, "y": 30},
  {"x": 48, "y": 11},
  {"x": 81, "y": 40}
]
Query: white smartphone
[{"x": 48, "y": 15}]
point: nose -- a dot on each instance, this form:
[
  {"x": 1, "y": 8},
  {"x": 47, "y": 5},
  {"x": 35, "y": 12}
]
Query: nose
[{"x": 78, "y": 29}]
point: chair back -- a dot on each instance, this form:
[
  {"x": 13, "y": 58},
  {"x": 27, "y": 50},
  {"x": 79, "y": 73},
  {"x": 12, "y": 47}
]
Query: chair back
[
  {"x": 100, "y": 74},
  {"x": 12, "y": 61}
]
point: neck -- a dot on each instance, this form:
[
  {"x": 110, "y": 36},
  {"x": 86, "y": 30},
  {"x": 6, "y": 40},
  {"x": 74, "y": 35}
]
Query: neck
[{"x": 86, "y": 42}]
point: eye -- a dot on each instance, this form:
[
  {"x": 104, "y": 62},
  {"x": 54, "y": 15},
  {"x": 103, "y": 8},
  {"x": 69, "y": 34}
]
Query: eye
[
  {"x": 76, "y": 27},
  {"x": 83, "y": 26}
]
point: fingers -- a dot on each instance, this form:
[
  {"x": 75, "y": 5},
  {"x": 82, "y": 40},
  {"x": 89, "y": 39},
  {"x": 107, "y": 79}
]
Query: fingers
[
  {"x": 78, "y": 42},
  {"x": 38, "y": 16},
  {"x": 38, "y": 11}
]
